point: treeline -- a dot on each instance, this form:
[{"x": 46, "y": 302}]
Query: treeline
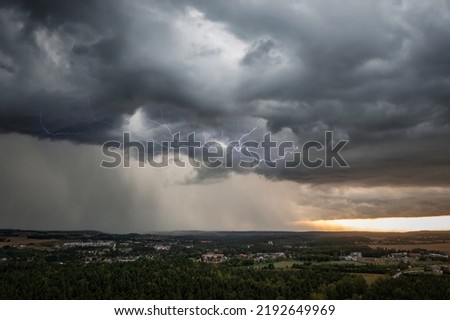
[
  {"x": 159, "y": 279},
  {"x": 183, "y": 279},
  {"x": 354, "y": 268},
  {"x": 411, "y": 287}
]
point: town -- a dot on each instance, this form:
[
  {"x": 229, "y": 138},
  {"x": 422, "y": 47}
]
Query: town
[
  {"x": 224, "y": 265},
  {"x": 251, "y": 249}
]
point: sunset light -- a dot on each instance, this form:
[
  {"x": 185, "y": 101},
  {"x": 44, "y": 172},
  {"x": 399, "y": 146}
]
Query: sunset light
[{"x": 380, "y": 224}]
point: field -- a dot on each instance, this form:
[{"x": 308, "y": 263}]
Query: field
[
  {"x": 443, "y": 246},
  {"x": 23, "y": 241},
  {"x": 286, "y": 264}
]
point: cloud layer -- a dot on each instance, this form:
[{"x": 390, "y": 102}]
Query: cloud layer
[
  {"x": 59, "y": 185},
  {"x": 375, "y": 72}
]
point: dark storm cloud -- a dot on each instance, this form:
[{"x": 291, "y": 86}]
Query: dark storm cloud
[
  {"x": 258, "y": 51},
  {"x": 374, "y": 72},
  {"x": 58, "y": 185},
  {"x": 82, "y": 64}
]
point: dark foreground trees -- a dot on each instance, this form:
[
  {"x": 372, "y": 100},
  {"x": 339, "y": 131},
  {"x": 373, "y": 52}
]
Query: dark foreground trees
[
  {"x": 411, "y": 287},
  {"x": 183, "y": 279}
]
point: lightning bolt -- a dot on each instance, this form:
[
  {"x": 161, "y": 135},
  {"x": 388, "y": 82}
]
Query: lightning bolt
[
  {"x": 54, "y": 134},
  {"x": 262, "y": 159},
  {"x": 71, "y": 133},
  {"x": 238, "y": 148}
]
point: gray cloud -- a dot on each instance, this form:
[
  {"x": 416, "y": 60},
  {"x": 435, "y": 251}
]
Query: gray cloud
[
  {"x": 58, "y": 185},
  {"x": 374, "y": 72}
]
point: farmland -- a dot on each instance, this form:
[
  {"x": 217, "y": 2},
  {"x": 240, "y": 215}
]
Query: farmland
[
  {"x": 442, "y": 246},
  {"x": 24, "y": 241}
]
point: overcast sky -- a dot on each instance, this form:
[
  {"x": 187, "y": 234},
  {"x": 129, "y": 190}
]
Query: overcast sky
[{"x": 76, "y": 74}]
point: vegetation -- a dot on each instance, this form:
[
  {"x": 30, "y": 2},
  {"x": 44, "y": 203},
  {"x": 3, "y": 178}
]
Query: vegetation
[
  {"x": 184, "y": 279},
  {"x": 411, "y": 287},
  {"x": 222, "y": 265},
  {"x": 176, "y": 279}
]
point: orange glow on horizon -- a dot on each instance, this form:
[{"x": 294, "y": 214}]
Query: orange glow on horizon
[{"x": 379, "y": 224}]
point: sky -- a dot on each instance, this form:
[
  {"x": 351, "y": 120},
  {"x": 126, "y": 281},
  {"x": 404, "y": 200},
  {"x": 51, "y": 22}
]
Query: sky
[{"x": 74, "y": 75}]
